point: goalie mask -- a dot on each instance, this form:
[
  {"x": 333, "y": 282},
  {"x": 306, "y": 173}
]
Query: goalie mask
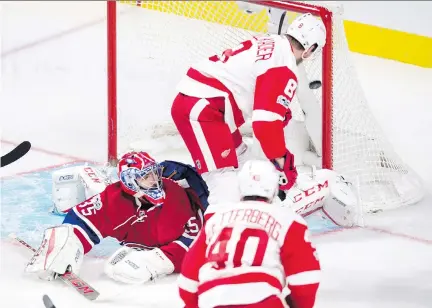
[{"x": 141, "y": 176}]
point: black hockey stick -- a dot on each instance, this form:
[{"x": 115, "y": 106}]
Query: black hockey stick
[
  {"x": 282, "y": 18},
  {"x": 16, "y": 153},
  {"x": 48, "y": 302},
  {"x": 281, "y": 195}
]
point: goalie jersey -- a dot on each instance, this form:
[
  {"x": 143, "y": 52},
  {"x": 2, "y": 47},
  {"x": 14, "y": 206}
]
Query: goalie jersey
[{"x": 171, "y": 226}]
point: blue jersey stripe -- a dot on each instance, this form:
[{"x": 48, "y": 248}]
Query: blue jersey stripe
[{"x": 73, "y": 219}]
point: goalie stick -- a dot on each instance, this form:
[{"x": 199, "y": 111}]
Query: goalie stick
[
  {"x": 68, "y": 278},
  {"x": 15, "y": 154}
]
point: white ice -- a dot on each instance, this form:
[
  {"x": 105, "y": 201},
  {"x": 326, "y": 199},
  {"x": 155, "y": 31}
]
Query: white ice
[{"x": 53, "y": 94}]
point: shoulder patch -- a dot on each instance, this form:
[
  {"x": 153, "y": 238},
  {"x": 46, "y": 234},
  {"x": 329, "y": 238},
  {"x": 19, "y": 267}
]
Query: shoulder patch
[{"x": 282, "y": 100}]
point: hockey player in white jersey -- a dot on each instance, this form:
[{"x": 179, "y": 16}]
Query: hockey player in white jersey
[
  {"x": 255, "y": 80},
  {"x": 251, "y": 253}
]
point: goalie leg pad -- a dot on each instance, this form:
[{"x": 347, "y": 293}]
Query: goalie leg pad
[
  {"x": 310, "y": 192},
  {"x": 341, "y": 206},
  {"x": 60, "y": 251},
  {"x": 133, "y": 266}
]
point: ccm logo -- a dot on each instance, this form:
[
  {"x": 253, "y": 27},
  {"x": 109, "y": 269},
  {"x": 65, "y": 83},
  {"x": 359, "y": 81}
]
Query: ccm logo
[
  {"x": 66, "y": 177},
  {"x": 310, "y": 191},
  {"x": 303, "y": 209},
  {"x": 89, "y": 171}
]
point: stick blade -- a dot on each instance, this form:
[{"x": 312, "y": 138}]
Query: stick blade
[
  {"x": 80, "y": 285},
  {"x": 16, "y": 153}
]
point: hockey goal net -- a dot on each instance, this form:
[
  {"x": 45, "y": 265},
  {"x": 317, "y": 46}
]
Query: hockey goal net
[{"x": 151, "y": 44}]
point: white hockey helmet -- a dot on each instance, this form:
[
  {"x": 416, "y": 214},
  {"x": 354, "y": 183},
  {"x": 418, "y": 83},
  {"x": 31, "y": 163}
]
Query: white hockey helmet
[
  {"x": 259, "y": 178},
  {"x": 308, "y": 30}
]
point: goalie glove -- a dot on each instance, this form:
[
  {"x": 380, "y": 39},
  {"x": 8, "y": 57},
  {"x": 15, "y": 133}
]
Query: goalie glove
[
  {"x": 178, "y": 171},
  {"x": 133, "y": 266},
  {"x": 59, "y": 252}
]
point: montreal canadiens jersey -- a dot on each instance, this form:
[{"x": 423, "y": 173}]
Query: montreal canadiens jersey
[
  {"x": 258, "y": 78},
  {"x": 247, "y": 252},
  {"x": 171, "y": 226}
]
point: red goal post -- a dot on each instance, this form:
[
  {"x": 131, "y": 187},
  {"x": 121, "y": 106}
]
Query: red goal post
[{"x": 150, "y": 45}]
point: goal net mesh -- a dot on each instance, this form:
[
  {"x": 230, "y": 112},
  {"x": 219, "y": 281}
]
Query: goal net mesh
[{"x": 157, "y": 41}]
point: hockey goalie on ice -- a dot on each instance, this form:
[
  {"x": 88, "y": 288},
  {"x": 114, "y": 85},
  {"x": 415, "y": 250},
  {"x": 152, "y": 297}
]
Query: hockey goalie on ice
[
  {"x": 146, "y": 210},
  {"x": 155, "y": 211}
]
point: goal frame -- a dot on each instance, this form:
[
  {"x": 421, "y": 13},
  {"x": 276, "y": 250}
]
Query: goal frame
[{"x": 327, "y": 74}]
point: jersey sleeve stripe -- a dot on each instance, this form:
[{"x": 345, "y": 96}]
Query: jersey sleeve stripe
[
  {"x": 309, "y": 277},
  {"x": 88, "y": 223},
  {"x": 191, "y": 237},
  {"x": 187, "y": 284},
  {"x": 199, "y": 133},
  {"x": 83, "y": 238},
  {"x": 265, "y": 116},
  {"x": 84, "y": 234},
  {"x": 186, "y": 241},
  {"x": 73, "y": 219},
  {"x": 181, "y": 244}
]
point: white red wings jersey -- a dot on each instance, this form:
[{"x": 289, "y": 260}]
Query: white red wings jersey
[
  {"x": 247, "y": 252},
  {"x": 258, "y": 78}
]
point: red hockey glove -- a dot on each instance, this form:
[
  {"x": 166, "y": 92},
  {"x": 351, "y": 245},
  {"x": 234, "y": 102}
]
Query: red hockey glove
[
  {"x": 287, "y": 118},
  {"x": 288, "y": 172}
]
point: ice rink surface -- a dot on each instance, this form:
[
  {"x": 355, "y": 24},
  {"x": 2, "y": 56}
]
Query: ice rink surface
[{"x": 53, "y": 94}]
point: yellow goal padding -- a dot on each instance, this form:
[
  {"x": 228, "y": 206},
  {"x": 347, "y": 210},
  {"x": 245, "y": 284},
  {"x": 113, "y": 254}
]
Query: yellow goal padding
[{"x": 362, "y": 38}]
